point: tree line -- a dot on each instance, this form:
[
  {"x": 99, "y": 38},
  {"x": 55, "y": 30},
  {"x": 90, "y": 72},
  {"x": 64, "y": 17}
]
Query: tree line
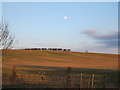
[{"x": 49, "y": 49}]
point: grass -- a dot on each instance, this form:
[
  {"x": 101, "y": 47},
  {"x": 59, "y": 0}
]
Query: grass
[
  {"x": 61, "y": 59},
  {"x": 53, "y": 72},
  {"x": 54, "y": 63}
]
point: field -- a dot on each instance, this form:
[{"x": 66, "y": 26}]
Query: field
[
  {"x": 61, "y": 59},
  {"x": 55, "y": 63}
]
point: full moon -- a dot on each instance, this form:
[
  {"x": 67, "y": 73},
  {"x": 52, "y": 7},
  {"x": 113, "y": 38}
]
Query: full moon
[{"x": 66, "y": 17}]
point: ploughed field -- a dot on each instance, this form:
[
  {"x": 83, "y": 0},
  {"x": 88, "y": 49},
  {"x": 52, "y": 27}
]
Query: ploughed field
[{"x": 60, "y": 59}]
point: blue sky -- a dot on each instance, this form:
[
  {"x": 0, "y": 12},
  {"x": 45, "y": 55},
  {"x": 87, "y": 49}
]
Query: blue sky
[{"x": 80, "y": 26}]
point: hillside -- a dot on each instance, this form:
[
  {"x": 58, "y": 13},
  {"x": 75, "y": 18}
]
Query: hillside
[{"x": 60, "y": 59}]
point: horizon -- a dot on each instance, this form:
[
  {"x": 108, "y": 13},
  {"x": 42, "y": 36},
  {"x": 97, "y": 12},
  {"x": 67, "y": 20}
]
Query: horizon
[{"x": 65, "y": 51}]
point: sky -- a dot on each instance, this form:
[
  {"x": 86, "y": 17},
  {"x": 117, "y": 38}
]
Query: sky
[{"x": 80, "y": 26}]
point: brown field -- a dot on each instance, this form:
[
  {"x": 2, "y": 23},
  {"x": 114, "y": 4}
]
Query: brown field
[
  {"x": 43, "y": 69},
  {"x": 60, "y": 59}
]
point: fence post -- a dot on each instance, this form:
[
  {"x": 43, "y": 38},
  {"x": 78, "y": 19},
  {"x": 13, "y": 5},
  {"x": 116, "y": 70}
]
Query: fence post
[
  {"x": 92, "y": 81},
  {"x": 80, "y": 80},
  {"x": 89, "y": 81},
  {"x": 68, "y": 77}
]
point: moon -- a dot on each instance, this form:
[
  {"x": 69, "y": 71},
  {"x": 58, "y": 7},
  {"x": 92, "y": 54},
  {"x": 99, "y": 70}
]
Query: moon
[{"x": 65, "y": 17}]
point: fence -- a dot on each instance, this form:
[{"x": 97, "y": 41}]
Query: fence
[
  {"x": 68, "y": 80},
  {"x": 86, "y": 80}
]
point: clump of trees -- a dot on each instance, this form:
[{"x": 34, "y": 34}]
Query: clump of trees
[{"x": 7, "y": 40}]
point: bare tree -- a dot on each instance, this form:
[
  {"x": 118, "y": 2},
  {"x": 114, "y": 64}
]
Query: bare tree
[{"x": 7, "y": 40}]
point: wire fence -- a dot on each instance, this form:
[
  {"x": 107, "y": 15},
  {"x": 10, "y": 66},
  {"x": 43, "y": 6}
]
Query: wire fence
[{"x": 55, "y": 80}]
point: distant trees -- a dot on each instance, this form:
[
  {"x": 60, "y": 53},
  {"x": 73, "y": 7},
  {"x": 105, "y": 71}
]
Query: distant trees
[
  {"x": 49, "y": 49},
  {"x": 7, "y": 40}
]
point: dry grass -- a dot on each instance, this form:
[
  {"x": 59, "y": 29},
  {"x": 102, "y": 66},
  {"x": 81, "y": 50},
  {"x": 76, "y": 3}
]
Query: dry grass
[{"x": 61, "y": 59}]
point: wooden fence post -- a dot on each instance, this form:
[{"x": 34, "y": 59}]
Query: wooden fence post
[
  {"x": 92, "y": 81},
  {"x": 80, "y": 80},
  {"x": 89, "y": 81},
  {"x": 68, "y": 77}
]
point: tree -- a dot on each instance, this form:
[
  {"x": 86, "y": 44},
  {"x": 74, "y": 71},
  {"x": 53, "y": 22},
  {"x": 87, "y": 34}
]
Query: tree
[{"x": 7, "y": 40}]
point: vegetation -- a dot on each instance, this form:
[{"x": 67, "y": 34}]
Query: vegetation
[
  {"x": 61, "y": 59},
  {"x": 53, "y": 64},
  {"x": 7, "y": 40}
]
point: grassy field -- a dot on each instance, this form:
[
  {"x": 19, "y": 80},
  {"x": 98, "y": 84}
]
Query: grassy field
[
  {"x": 61, "y": 59},
  {"x": 55, "y": 63}
]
